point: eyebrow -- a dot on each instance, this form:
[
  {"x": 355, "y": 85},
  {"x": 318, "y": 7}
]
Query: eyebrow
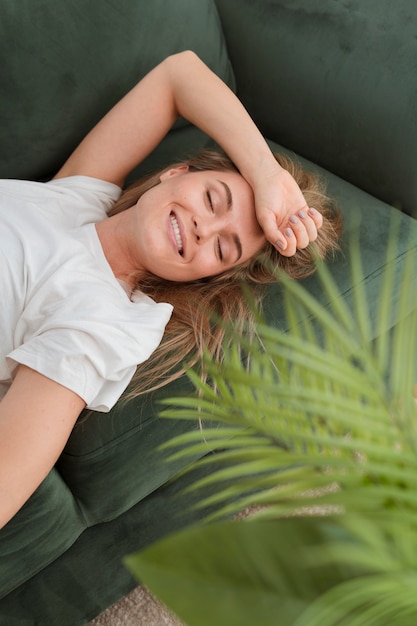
[
  {"x": 238, "y": 246},
  {"x": 229, "y": 199},
  {"x": 229, "y": 202}
]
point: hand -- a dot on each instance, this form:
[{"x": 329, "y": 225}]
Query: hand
[{"x": 281, "y": 209}]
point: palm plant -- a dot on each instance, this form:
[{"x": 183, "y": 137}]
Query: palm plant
[{"x": 316, "y": 433}]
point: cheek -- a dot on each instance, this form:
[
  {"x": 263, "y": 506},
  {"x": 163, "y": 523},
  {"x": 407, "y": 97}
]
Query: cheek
[{"x": 153, "y": 230}]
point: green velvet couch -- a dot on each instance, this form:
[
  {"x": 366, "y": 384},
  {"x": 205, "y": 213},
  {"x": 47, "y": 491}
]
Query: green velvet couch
[{"x": 332, "y": 82}]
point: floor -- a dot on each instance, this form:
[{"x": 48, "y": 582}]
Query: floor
[{"x": 138, "y": 608}]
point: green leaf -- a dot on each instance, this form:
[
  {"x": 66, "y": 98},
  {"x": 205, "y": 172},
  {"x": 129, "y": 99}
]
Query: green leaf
[{"x": 236, "y": 573}]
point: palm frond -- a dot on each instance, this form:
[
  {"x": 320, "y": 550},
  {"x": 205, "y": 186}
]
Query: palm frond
[
  {"x": 324, "y": 398},
  {"x": 320, "y": 421}
]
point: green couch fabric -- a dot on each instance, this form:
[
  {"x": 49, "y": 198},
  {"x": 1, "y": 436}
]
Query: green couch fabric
[
  {"x": 65, "y": 63},
  {"x": 318, "y": 79},
  {"x": 343, "y": 92},
  {"x": 47, "y": 526}
]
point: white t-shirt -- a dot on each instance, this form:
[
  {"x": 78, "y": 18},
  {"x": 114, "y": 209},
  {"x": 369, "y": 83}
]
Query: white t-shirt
[{"x": 62, "y": 311}]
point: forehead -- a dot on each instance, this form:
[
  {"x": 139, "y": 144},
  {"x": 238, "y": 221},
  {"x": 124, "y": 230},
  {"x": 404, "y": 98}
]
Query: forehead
[
  {"x": 237, "y": 189},
  {"x": 243, "y": 213}
]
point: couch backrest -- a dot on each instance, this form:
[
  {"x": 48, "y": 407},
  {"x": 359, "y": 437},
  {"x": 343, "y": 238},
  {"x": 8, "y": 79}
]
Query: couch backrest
[
  {"x": 64, "y": 64},
  {"x": 335, "y": 82}
]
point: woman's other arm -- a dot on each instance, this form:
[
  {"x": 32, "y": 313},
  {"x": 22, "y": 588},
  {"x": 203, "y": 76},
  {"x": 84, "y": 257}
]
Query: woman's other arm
[
  {"x": 183, "y": 85},
  {"x": 36, "y": 419}
]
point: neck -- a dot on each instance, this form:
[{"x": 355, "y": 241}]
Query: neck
[{"x": 113, "y": 237}]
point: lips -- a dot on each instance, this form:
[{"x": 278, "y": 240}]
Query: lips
[{"x": 177, "y": 233}]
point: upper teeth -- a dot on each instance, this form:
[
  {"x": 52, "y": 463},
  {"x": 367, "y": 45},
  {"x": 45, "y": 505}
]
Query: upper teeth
[{"x": 176, "y": 232}]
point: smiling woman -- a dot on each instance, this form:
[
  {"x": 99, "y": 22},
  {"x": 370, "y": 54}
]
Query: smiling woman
[
  {"x": 197, "y": 302},
  {"x": 98, "y": 284},
  {"x": 192, "y": 225}
]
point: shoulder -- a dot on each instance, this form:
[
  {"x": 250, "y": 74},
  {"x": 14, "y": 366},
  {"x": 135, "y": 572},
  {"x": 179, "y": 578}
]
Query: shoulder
[
  {"x": 84, "y": 193},
  {"x": 74, "y": 200},
  {"x": 84, "y": 185}
]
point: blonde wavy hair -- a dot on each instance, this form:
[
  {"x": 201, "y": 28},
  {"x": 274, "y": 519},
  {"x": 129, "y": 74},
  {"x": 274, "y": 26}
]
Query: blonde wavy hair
[{"x": 191, "y": 330}]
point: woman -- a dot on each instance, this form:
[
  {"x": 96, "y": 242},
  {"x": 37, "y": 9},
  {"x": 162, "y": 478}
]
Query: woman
[{"x": 76, "y": 320}]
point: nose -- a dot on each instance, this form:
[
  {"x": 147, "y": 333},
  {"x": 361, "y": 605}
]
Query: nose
[{"x": 205, "y": 228}]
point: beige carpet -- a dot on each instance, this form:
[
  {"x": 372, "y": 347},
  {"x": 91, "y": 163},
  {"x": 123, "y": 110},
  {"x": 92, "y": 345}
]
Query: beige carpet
[{"x": 138, "y": 608}]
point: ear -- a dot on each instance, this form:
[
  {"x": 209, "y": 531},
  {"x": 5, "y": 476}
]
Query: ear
[{"x": 174, "y": 171}]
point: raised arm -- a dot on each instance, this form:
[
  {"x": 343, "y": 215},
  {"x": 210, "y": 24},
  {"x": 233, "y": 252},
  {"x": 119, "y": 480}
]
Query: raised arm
[
  {"x": 183, "y": 85},
  {"x": 36, "y": 419}
]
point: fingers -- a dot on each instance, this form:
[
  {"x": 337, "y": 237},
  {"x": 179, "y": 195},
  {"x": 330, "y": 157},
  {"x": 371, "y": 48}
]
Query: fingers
[
  {"x": 316, "y": 216},
  {"x": 296, "y": 233},
  {"x": 273, "y": 233},
  {"x": 301, "y": 228}
]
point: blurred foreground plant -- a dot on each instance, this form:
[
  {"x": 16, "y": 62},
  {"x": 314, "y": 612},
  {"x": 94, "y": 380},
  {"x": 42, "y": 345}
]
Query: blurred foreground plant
[{"x": 316, "y": 429}]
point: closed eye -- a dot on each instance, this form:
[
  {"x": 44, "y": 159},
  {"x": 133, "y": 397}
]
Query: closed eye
[
  {"x": 210, "y": 201},
  {"x": 219, "y": 250},
  {"x": 218, "y": 246}
]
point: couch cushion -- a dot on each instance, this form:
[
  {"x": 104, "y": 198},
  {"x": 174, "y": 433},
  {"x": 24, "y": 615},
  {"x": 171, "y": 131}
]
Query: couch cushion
[
  {"x": 112, "y": 460},
  {"x": 334, "y": 82},
  {"x": 64, "y": 64}
]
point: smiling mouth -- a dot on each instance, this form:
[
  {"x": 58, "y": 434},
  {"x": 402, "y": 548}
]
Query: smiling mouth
[{"x": 177, "y": 233}]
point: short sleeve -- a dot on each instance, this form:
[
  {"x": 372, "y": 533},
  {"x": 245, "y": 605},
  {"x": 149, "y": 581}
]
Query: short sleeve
[
  {"x": 94, "y": 357},
  {"x": 83, "y": 199}
]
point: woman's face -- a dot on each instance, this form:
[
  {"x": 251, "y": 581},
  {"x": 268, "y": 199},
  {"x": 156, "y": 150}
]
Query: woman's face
[{"x": 195, "y": 224}]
